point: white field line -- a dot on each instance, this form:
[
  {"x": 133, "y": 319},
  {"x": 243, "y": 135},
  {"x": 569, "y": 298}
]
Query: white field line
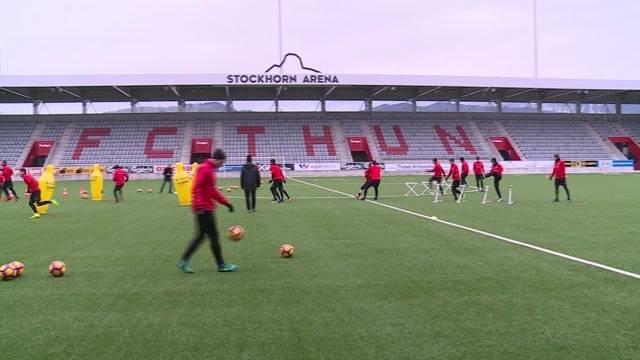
[
  {"x": 316, "y": 197},
  {"x": 495, "y": 236}
]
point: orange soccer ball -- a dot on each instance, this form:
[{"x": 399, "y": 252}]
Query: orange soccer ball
[
  {"x": 287, "y": 250},
  {"x": 8, "y": 272},
  {"x": 235, "y": 232},
  {"x": 57, "y": 268},
  {"x": 18, "y": 266}
]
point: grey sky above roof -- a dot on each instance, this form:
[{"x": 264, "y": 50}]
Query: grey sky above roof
[{"x": 576, "y": 38}]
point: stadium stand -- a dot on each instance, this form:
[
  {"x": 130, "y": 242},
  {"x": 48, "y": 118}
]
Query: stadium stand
[
  {"x": 155, "y": 139},
  {"x": 539, "y": 139}
]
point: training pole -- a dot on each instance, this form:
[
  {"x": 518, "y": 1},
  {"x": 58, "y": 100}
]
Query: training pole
[
  {"x": 484, "y": 197},
  {"x": 510, "y": 198},
  {"x": 461, "y": 194},
  {"x": 438, "y": 189}
]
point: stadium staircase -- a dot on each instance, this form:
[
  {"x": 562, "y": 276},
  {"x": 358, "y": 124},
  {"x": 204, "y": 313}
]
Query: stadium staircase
[
  {"x": 373, "y": 148},
  {"x": 185, "y": 155},
  {"x": 340, "y": 142},
  {"x": 61, "y": 143},
  {"x": 503, "y": 132},
  {"x": 218, "y": 134},
  {"x": 603, "y": 140},
  {"x": 473, "y": 127},
  {"x": 36, "y": 134}
]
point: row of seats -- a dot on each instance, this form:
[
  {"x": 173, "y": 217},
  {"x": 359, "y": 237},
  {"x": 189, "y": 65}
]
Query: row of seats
[{"x": 298, "y": 138}]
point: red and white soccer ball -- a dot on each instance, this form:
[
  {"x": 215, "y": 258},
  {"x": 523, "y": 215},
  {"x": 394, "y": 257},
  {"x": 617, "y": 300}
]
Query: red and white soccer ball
[
  {"x": 7, "y": 272},
  {"x": 235, "y": 232},
  {"x": 57, "y": 268},
  {"x": 287, "y": 250},
  {"x": 18, "y": 266}
]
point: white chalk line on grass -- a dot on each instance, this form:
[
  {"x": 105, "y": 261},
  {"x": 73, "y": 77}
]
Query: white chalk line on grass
[
  {"x": 488, "y": 234},
  {"x": 315, "y": 197}
]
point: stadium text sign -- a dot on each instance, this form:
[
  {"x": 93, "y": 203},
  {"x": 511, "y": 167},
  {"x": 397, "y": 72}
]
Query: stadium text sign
[{"x": 282, "y": 79}]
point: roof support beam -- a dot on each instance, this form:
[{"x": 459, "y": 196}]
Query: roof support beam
[
  {"x": 419, "y": 95},
  {"x": 519, "y": 93},
  {"x": 16, "y": 93},
  {"x": 326, "y": 93},
  {"x": 61, "y": 89},
  {"x": 175, "y": 91},
  {"x": 122, "y": 91},
  {"x": 561, "y": 94},
  {"x": 379, "y": 91},
  {"x": 473, "y": 93}
]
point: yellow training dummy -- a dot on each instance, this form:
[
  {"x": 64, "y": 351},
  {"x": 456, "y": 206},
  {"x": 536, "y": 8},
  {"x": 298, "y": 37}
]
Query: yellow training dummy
[
  {"x": 97, "y": 183},
  {"x": 47, "y": 184},
  {"x": 182, "y": 182}
]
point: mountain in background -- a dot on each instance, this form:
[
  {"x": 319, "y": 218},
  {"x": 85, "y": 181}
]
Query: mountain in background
[{"x": 443, "y": 106}]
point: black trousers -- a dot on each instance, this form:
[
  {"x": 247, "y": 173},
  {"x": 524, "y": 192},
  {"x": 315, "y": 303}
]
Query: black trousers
[
  {"x": 276, "y": 185},
  {"x": 165, "y": 181},
  {"x": 118, "y": 190},
  {"x": 250, "y": 198},
  {"x": 371, "y": 183},
  {"x": 563, "y": 183},
  {"x": 34, "y": 200},
  {"x": 480, "y": 181},
  {"x": 206, "y": 224},
  {"x": 8, "y": 185},
  {"x": 496, "y": 185},
  {"x": 455, "y": 189},
  {"x": 438, "y": 180},
  {"x": 463, "y": 179}
]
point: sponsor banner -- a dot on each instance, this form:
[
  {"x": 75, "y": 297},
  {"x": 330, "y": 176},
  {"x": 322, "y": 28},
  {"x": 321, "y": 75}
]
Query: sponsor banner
[
  {"x": 581, "y": 163},
  {"x": 622, "y": 163},
  {"x": 408, "y": 167},
  {"x": 316, "y": 166},
  {"x": 231, "y": 167},
  {"x": 75, "y": 170},
  {"x": 359, "y": 165}
]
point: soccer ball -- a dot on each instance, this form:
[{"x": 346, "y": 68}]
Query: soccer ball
[
  {"x": 287, "y": 250},
  {"x": 235, "y": 232},
  {"x": 7, "y": 272},
  {"x": 57, "y": 268},
  {"x": 18, "y": 266},
  {"x": 149, "y": 190},
  {"x": 139, "y": 190},
  {"x": 229, "y": 189}
]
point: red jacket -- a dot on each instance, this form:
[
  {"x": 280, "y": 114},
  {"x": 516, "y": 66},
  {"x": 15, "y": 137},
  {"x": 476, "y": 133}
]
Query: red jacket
[
  {"x": 1, "y": 179},
  {"x": 276, "y": 172},
  {"x": 367, "y": 174},
  {"x": 204, "y": 193},
  {"x": 32, "y": 184},
  {"x": 374, "y": 173},
  {"x": 478, "y": 168},
  {"x": 454, "y": 172},
  {"x": 6, "y": 170},
  {"x": 465, "y": 168},
  {"x": 120, "y": 177},
  {"x": 559, "y": 170},
  {"x": 496, "y": 170},
  {"x": 437, "y": 170}
]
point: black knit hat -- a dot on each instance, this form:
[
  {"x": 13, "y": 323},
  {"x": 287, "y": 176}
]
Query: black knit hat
[{"x": 219, "y": 154}]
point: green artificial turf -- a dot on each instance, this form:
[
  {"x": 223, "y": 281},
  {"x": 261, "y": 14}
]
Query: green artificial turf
[{"x": 366, "y": 282}]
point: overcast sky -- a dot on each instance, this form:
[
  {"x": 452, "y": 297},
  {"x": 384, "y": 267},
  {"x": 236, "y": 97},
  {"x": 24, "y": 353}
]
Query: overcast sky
[{"x": 577, "y": 38}]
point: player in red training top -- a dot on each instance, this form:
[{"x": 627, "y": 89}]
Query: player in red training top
[
  {"x": 438, "y": 173},
  {"x": 277, "y": 181},
  {"x": 464, "y": 171},
  {"x": 120, "y": 177},
  {"x": 560, "y": 173},
  {"x": 8, "y": 183},
  {"x": 496, "y": 172},
  {"x": 204, "y": 195},
  {"x": 454, "y": 172},
  {"x": 478, "y": 171},
  {"x": 2, "y": 184},
  {"x": 34, "y": 189},
  {"x": 373, "y": 174}
]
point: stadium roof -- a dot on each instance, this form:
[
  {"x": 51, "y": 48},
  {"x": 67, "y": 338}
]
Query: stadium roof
[{"x": 310, "y": 86}]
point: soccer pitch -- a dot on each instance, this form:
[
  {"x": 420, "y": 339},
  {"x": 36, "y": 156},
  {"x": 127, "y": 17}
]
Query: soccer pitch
[{"x": 366, "y": 282}]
